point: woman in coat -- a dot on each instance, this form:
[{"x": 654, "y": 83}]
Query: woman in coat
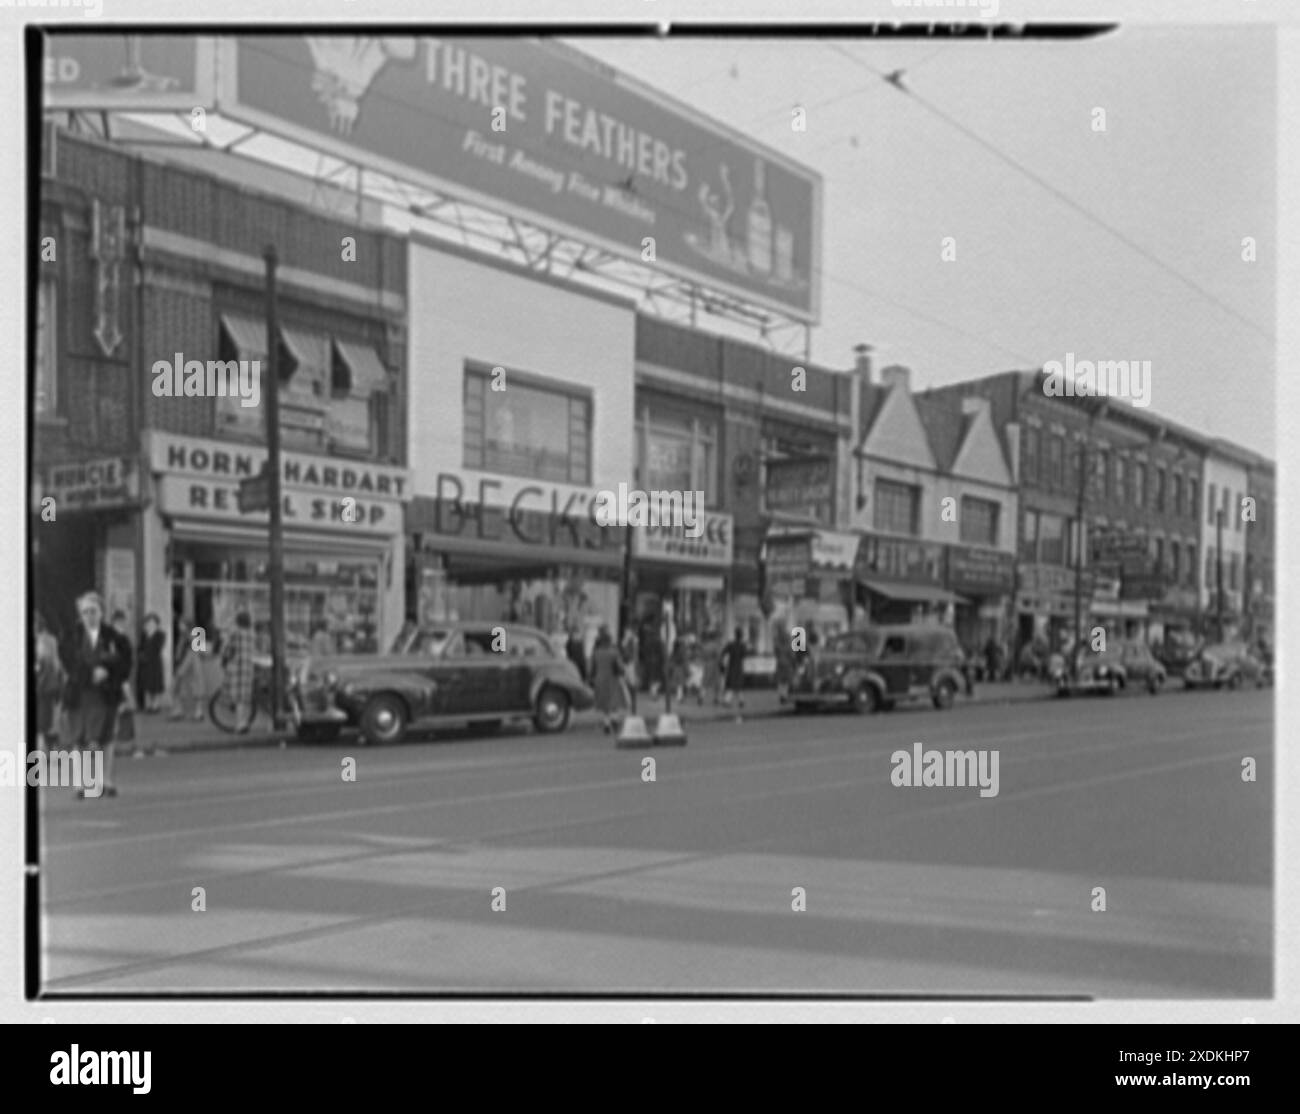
[
  {"x": 49, "y": 680},
  {"x": 237, "y": 657},
  {"x": 607, "y": 678},
  {"x": 149, "y": 667}
]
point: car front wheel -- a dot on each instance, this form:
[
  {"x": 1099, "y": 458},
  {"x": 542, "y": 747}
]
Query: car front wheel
[
  {"x": 865, "y": 699},
  {"x": 1154, "y": 684},
  {"x": 384, "y": 720},
  {"x": 944, "y": 693},
  {"x": 552, "y": 711}
]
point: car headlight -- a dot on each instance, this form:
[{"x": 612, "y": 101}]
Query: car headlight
[{"x": 839, "y": 668}]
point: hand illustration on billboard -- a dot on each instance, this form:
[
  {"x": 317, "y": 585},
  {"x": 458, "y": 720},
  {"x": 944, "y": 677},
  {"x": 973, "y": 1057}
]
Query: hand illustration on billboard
[{"x": 345, "y": 68}]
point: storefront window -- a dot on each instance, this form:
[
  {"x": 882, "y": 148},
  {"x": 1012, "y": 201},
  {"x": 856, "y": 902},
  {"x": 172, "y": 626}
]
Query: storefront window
[
  {"x": 979, "y": 521},
  {"x": 527, "y": 429},
  {"x": 335, "y": 599},
  {"x": 896, "y": 508}
]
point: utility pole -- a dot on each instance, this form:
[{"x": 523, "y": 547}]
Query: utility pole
[
  {"x": 272, "y": 395},
  {"x": 1218, "y": 571},
  {"x": 1081, "y": 534}
]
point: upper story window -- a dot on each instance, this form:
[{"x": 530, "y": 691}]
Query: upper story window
[
  {"x": 1103, "y": 474},
  {"x": 1193, "y": 497},
  {"x": 47, "y": 349},
  {"x": 539, "y": 431},
  {"x": 1178, "y": 495},
  {"x": 1139, "y": 484},
  {"x": 676, "y": 451},
  {"x": 1056, "y": 461},
  {"x": 897, "y": 508},
  {"x": 1161, "y": 481},
  {"x": 979, "y": 521},
  {"x": 1033, "y": 439},
  {"x": 1209, "y": 504},
  {"x": 1122, "y": 492}
]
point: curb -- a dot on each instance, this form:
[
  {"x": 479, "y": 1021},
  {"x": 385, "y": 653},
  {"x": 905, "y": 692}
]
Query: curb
[{"x": 287, "y": 740}]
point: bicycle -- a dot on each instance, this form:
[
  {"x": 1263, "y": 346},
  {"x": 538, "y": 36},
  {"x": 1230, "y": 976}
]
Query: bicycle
[{"x": 224, "y": 712}]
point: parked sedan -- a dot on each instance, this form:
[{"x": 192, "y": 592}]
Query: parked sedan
[
  {"x": 1225, "y": 665},
  {"x": 882, "y": 666},
  {"x": 479, "y": 674},
  {"x": 1095, "y": 671}
]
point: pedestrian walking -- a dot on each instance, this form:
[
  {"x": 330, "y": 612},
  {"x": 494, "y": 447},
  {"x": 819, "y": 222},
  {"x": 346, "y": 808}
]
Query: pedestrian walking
[
  {"x": 785, "y": 663},
  {"x": 97, "y": 660},
  {"x": 189, "y": 684},
  {"x": 237, "y": 659},
  {"x": 733, "y": 669},
  {"x": 678, "y": 668},
  {"x": 149, "y": 670},
  {"x": 575, "y": 651},
  {"x": 607, "y": 679},
  {"x": 49, "y": 680}
]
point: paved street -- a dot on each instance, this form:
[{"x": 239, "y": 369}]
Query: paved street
[{"x": 685, "y": 884}]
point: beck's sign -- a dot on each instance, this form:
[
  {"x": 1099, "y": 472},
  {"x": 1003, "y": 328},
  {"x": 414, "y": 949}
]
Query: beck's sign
[{"x": 542, "y": 132}]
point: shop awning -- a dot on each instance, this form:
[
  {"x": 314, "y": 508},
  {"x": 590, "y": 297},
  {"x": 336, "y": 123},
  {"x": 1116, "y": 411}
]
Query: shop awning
[
  {"x": 364, "y": 371},
  {"x": 246, "y": 334},
  {"x": 911, "y": 593},
  {"x": 1119, "y": 609}
]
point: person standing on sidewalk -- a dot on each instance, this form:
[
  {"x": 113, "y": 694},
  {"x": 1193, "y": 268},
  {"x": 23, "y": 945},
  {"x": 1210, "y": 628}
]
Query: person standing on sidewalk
[
  {"x": 733, "y": 669},
  {"x": 785, "y": 663},
  {"x": 97, "y": 661},
  {"x": 237, "y": 657},
  {"x": 189, "y": 686},
  {"x": 149, "y": 670},
  {"x": 49, "y": 680}
]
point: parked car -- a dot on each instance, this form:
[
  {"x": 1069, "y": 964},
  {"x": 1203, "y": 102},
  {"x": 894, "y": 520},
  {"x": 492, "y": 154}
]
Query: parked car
[
  {"x": 871, "y": 669},
  {"x": 1141, "y": 666},
  {"x": 479, "y": 674},
  {"x": 1226, "y": 665},
  {"x": 1095, "y": 671}
]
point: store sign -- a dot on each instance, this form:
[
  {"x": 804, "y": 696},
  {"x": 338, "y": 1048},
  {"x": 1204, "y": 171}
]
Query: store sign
[
  {"x": 512, "y": 512},
  {"x": 670, "y": 543},
  {"x": 200, "y": 478},
  {"x": 581, "y": 149},
  {"x": 1041, "y": 579},
  {"x": 803, "y": 486},
  {"x": 834, "y": 551},
  {"x": 788, "y": 562},
  {"x": 981, "y": 572},
  {"x": 915, "y": 562},
  {"x": 122, "y": 72},
  {"x": 92, "y": 484}
]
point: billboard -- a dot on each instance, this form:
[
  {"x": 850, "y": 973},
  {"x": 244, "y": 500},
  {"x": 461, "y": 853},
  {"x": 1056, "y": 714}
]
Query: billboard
[
  {"x": 536, "y": 130},
  {"x": 109, "y": 72}
]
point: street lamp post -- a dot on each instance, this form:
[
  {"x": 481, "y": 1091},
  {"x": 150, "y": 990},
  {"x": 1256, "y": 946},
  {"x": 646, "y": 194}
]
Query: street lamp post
[
  {"x": 1218, "y": 571},
  {"x": 272, "y": 395}
]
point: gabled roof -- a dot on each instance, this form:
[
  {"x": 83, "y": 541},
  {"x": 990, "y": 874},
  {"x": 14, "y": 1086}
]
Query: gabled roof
[{"x": 945, "y": 425}]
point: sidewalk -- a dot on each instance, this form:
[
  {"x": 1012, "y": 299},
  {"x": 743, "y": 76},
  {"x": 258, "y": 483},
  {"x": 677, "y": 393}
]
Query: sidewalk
[{"x": 157, "y": 734}]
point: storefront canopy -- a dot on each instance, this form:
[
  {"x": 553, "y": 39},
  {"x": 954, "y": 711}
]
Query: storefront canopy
[
  {"x": 911, "y": 593},
  {"x": 365, "y": 371}
]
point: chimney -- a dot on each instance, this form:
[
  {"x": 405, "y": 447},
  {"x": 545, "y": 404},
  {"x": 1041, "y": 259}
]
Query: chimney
[
  {"x": 862, "y": 361},
  {"x": 896, "y": 376}
]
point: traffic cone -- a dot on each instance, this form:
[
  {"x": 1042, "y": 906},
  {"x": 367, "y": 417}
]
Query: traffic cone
[
  {"x": 632, "y": 732},
  {"x": 668, "y": 731}
]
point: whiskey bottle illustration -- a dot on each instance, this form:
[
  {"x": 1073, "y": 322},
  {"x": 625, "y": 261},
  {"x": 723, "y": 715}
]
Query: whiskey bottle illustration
[{"x": 759, "y": 225}]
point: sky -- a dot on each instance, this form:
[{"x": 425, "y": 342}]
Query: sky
[{"x": 1184, "y": 170}]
